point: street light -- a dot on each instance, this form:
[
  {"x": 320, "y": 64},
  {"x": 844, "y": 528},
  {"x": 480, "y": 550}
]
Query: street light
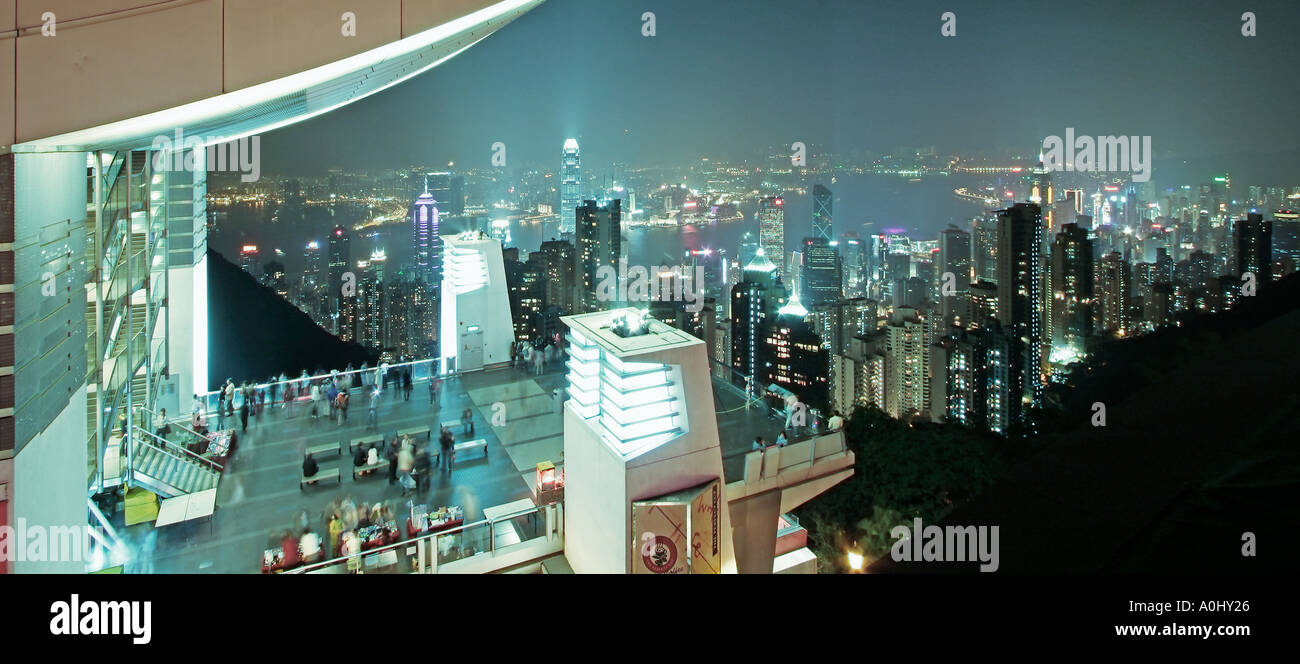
[{"x": 856, "y": 558}]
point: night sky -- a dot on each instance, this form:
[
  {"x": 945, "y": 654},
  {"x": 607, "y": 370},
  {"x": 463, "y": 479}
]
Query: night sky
[{"x": 728, "y": 78}]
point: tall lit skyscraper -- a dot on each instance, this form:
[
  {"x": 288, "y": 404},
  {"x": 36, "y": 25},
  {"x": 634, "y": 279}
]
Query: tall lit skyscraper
[
  {"x": 1020, "y": 299},
  {"x": 954, "y": 259},
  {"x": 820, "y": 277},
  {"x": 1113, "y": 284},
  {"x": 344, "y": 305},
  {"x": 754, "y": 302},
  {"x": 821, "y": 213},
  {"x": 428, "y": 247},
  {"x": 853, "y": 255},
  {"x": 599, "y": 243},
  {"x": 570, "y": 185},
  {"x": 985, "y": 243},
  {"x": 1071, "y": 303},
  {"x": 771, "y": 229}
]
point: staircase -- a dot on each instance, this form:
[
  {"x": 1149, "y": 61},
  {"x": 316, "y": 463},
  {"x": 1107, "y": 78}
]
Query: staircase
[{"x": 170, "y": 470}]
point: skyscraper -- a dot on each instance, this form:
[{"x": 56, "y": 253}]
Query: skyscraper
[
  {"x": 1113, "y": 286},
  {"x": 1071, "y": 288},
  {"x": 1020, "y": 300},
  {"x": 985, "y": 243},
  {"x": 570, "y": 185},
  {"x": 771, "y": 230},
  {"x": 754, "y": 302},
  {"x": 1252, "y": 238},
  {"x": 954, "y": 259},
  {"x": 820, "y": 277},
  {"x": 599, "y": 243},
  {"x": 344, "y": 304},
  {"x": 821, "y": 213},
  {"x": 853, "y": 254},
  {"x": 428, "y": 247},
  {"x": 796, "y": 359}
]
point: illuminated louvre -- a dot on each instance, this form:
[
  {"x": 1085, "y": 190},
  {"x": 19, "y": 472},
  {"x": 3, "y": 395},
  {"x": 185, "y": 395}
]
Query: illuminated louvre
[{"x": 634, "y": 406}]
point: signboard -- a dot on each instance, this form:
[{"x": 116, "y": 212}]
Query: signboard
[{"x": 678, "y": 533}]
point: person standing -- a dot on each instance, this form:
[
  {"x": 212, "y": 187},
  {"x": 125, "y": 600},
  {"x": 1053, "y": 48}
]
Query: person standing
[
  {"x": 539, "y": 362},
  {"x": 336, "y": 531},
  {"x": 314, "y": 399},
  {"x": 230, "y": 397},
  {"x": 405, "y": 464},
  {"x": 343, "y": 407},
  {"x": 445, "y": 441},
  {"x": 240, "y": 402},
  {"x": 836, "y": 422},
  {"x": 392, "y": 461},
  {"x": 406, "y": 382}
]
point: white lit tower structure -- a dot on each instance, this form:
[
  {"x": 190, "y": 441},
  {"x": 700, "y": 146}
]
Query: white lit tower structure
[
  {"x": 644, "y": 486},
  {"x": 425, "y": 229},
  {"x": 477, "y": 325},
  {"x": 570, "y": 185}
]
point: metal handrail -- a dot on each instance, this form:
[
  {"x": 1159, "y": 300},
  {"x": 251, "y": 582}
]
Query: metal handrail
[
  {"x": 177, "y": 422},
  {"x": 429, "y": 537},
  {"x": 217, "y": 468}
]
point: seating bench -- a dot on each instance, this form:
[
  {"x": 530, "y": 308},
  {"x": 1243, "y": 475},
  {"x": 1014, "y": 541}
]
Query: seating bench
[
  {"x": 478, "y": 443},
  {"x": 365, "y": 471},
  {"x": 373, "y": 441},
  {"x": 323, "y": 450},
  {"x": 414, "y": 433},
  {"x": 321, "y": 474}
]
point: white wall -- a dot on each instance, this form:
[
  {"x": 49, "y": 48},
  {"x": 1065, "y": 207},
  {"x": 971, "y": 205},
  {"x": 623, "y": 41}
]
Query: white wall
[
  {"x": 188, "y": 337},
  {"x": 49, "y": 487}
]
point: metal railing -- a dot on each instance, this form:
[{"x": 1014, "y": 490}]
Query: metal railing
[
  {"x": 358, "y": 378},
  {"x": 167, "y": 447},
  {"x": 460, "y": 543}
]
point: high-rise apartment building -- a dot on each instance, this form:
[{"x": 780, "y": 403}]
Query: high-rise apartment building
[
  {"x": 771, "y": 230},
  {"x": 599, "y": 244}
]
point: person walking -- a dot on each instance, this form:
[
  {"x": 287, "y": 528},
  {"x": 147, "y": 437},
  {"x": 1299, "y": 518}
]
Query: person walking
[
  {"x": 230, "y": 397},
  {"x": 423, "y": 467},
  {"x": 241, "y": 405},
  {"x": 372, "y": 415},
  {"x": 406, "y": 382},
  {"x": 405, "y": 464},
  {"x": 539, "y": 362}
]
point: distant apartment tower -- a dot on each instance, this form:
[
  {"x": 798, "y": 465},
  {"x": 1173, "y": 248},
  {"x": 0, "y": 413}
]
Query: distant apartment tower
[
  {"x": 984, "y": 241},
  {"x": 1113, "y": 292},
  {"x": 557, "y": 260},
  {"x": 1020, "y": 294},
  {"x": 570, "y": 185},
  {"x": 820, "y": 278},
  {"x": 1072, "y": 289},
  {"x": 954, "y": 260},
  {"x": 599, "y": 243},
  {"x": 771, "y": 230},
  {"x": 821, "y": 214},
  {"x": 907, "y": 349},
  {"x": 1252, "y": 239}
]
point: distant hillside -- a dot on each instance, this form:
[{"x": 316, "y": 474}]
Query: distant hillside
[{"x": 253, "y": 333}]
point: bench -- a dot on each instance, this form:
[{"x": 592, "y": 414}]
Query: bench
[
  {"x": 455, "y": 426},
  {"x": 323, "y": 450},
  {"x": 480, "y": 443},
  {"x": 414, "y": 433},
  {"x": 322, "y": 474},
  {"x": 373, "y": 441},
  {"x": 367, "y": 470}
]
